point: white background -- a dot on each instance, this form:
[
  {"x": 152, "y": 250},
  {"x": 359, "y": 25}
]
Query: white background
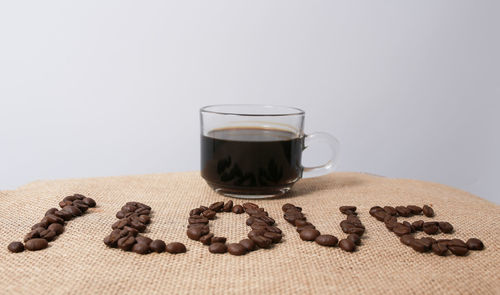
[{"x": 97, "y": 88}]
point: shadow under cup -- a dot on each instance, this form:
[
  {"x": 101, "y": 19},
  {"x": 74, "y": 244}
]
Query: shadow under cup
[{"x": 250, "y": 151}]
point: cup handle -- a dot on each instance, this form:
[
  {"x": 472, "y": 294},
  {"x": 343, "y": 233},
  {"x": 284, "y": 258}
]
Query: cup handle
[{"x": 328, "y": 167}]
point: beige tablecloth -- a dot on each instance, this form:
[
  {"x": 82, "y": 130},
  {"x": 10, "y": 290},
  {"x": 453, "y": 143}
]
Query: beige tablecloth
[{"x": 79, "y": 262}]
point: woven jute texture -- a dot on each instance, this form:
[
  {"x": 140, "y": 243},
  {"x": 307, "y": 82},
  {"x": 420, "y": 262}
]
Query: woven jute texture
[{"x": 79, "y": 262}]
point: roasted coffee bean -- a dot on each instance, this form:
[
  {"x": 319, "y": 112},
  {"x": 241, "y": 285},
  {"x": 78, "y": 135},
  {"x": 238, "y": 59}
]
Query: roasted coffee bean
[
  {"x": 203, "y": 227},
  {"x": 141, "y": 205},
  {"x": 353, "y": 219},
  {"x": 273, "y": 229},
  {"x": 414, "y": 209},
  {"x": 403, "y": 211},
  {"x": 143, "y": 240},
  {"x": 64, "y": 215},
  {"x": 236, "y": 249},
  {"x": 206, "y": 239},
  {"x": 262, "y": 241},
  {"x": 348, "y": 210},
  {"x": 250, "y": 220},
  {"x": 326, "y": 240},
  {"x": 33, "y": 234},
  {"x": 406, "y": 239},
  {"x": 144, "y": 219},
  {"x": 345, "y": 225},
  {"x": 210, "y": 214},
  {"x": 457, "y": 242},
  {"x": 217, "y": 206},
  {"x": 347, "y": 245},
  {"x": 57, "y": 228},
  {"x": 89, "y": 202},
  {"x": 217, "y": 248},
  {"x": 254, "y": 211},
  {"x": 256, "y": 232},
  {"x": 445, "y": 227},
  {"x": 194, "y": 233},
  {"x": 458, "y": 251},
  {"x": 197, "y": 219},
  {"x": 430, "y": 228},
  {"x": 195, "y": 211},
  {"x": 439, "y": 249},
  {"x": 380, "y": 215},
  {"x": 70, "y": 198},
  {"x": 127, "y": 230},
  {"x": 300, "y": 222},
  {"x": 218, "y": 240},
  {"x": 120, "y": 214},
  {"x": 158, "y": 246},
  {"x": 475, "y": 244},
  {"x": 428, "y": 211},
  {"x": 418, "y": 225},
  {"x": 126, "y": 243},
  {"x": 79, "y": 196},
  {"x": 120, "y": 224},
  {"x": 390, "y": 210},
  {"x": 375, "y": 209},
  {"x": 287, "y": 206},
  {"x": 238, "y": 209},
  {"x": 401, "y": 230},
  {"x": 51, "y": 218},
  {"x": 16, "y": 247},
  {"x": 303, "y": 227},
  {"x": 176, "y": 248},
  {"x": 275, "y": 237},
  {"x": 228, "y": 206},
  {"x": 36, "y": 244},
  {"x": 51, "y": 211},
  {"x": 354, "y": 238},
  {"x": 248, "y": 244},
  {"x": 141, "y": 248},
  {"x": 40, "y": 224},
  {"x": 407, "y": 224},
  {"x": 129, "y": 208},
  {"x": 143, "y": 211},
  {"x": 292, "y": 218},
  {"x": 80, "y": 205},
  {"x": 203, "y": 208},
  {"x": 309, "y": 234},
  {"x": 256, "y": 225},
  {"x": 390, "y": 225},
  {"x": 356, "y": 230},
  {"x": 444, "y": 242},
  {"x": 73, "y": 210},
  {"x": 419, "y": 246},
  {"x": 428, "y": 241},
  {"x": 63, "y": 204},
  {"x": 250, "y": 205}
]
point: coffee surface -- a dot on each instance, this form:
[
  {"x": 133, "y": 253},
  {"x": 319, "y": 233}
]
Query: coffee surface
[{"x": 251, "y": 159}]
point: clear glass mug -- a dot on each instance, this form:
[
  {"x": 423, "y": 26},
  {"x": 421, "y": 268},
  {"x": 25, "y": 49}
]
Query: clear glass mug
[{"x": 255, "y": 151}]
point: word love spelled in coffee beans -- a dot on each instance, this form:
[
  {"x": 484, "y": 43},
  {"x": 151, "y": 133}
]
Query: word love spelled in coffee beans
[
  {"x": 264, "y": 233},
  {"x": 308, "y": 232},
  {"x": 133, "y": 219},
  {"x": 52, "y": 224},
  {"x": 406, "y": 230}
]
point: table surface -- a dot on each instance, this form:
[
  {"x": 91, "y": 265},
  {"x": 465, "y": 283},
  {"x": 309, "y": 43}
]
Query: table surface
[{"x": 79, "y": 262}]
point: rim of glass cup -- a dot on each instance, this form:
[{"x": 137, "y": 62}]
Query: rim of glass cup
[{"x": 214, "y": 109}]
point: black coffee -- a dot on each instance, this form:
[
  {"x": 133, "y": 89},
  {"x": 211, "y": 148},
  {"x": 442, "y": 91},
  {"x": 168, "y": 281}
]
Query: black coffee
[{"x": 251, "y": 160}]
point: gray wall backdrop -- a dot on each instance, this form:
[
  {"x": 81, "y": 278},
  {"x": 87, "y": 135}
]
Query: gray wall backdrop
[{"x": 97, "y": 88}]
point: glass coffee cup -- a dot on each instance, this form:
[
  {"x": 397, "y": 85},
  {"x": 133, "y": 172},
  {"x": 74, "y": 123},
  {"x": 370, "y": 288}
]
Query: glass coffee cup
[{"x": 255, "y": 151}]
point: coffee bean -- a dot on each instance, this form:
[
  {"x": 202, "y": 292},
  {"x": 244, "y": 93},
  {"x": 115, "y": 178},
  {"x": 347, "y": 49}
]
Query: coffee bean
[
  {"x": 256, "y": 232},
  {"x": 418, "y": 225},
  {"x": 430, "y": 228},
  {"x": 141, "y": 248},
  {"x": 303, "y": 227},
  {"x": 457, "y": 242},
  {"x": 258, "y": 226},
  {"x": 309, "y": 234},
  {"x": 16, "y": 247},
  {"x": 287, "y": 206},
  {"x": 390, "y": 210},
  {"x": 143, "y": 211},
  {"x": 63, "y": 204},
  {"x": 414, "y": 209},
  {"x": 326, "y": 240},
  {"x": 210, "y": 214},
  {"x": 43, "y": 224},
  {"x": 238, "y": 209},
  {"x": 380, "y": 215},
  {"x": 120, "y": 224},
  {"x": 248, "y": 244},
  {"x": 141, "y": 205},
  {"x": 89, "y": 202},
  {"x": 70, "y": 198},
  {"x": 444, "y": 242},
  {"x": 158, "y": 246},
  {"x": 439, "y": 249},
  {"x": 236, "y": 249},
  {"x": 51, "y": 211},
  {"x": 428, "y": 241},
  {"x": 300, "y": 222},
  {"x": 218, "y": 240},
  {"x": 126, "y": 243},
  {"x": 419, "y": 246},
  {"x": 203, "y": 208},
  {"x": 347, "y": 245},
  {"x": 217, "y": 248},
  {"x": 195, "y": 211},
  {"x": 64, "y": 215},
  {"x": 353, "y": 219},
  {"x": 390, "y": 225},
  {"x": 206, "y": 239},
  {"x": 194, "y": 233},
  {"x": 348, "y": 210},
  {"x": 228, "y": 206},
  {"x": 275, "y": 237},
  {"x": 249, "y": 205},
  {"x": 73, "y": 210},
  {"x": 36, "y": 244},
  {"x": 293, "y": 217},
  {"x": 458, "y": 251},
  {"x": 255, "y": 211},
  {"x": 217, "y": 206},
  {"x": 406, "y": 239},
  {"x": 407, "y": 224},
  {"x": 445, "y": 227},
  {"x": 143, "y": 240},
  {"x": 144, "y": 219},
  {"x": 79, "y": 196},
  {"x": 475, "y": 244},
  {"x": 51, "y": 218},
  {"x": 356, "y": 230},
  {"x": 401, "y": 230},
  {"x": 403, "y": 211},
  {"x": 127, "y": 230},
  {"x": 80, "y": 205},
  {"x": 268, "y": 220},
  {"x": 262, "y": 241},
  {"x": 205, "y": 229},
  {"x": 48, "y": 234},
  {"x": 354, "y": 238},
  {"x": 129, "y": 208},
  {"x": 273, "y": 229},
  {"x": 33, "y": 234},
  {"x": 428, "y": 211},
  {"x": 176, "y": 248},
  {"x": 197, "y": 219},
  {"x": 375, "y": 209}
]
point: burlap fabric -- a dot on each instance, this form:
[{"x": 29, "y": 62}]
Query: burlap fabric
[{"x": 79, "y": 262}]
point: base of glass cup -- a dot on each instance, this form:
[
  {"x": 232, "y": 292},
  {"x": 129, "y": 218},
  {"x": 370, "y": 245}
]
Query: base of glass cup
[{"x": 251, "y": 193}]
